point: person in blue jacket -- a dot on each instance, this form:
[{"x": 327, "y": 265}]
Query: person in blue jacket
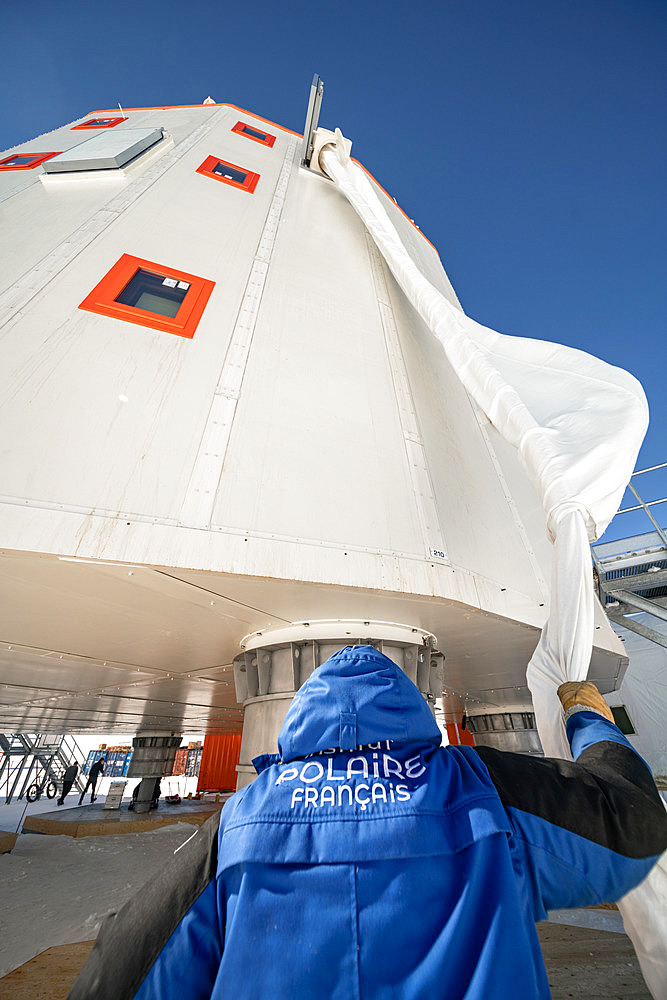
[{"x": 366, "y": 861}]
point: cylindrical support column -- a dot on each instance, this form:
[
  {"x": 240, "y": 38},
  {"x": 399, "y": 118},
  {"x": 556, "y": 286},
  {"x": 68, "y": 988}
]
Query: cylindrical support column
[
  {"x": 514, "y": 731},
  {"x": 275, "y": 663},
  {"x": 153, "y": 756}
]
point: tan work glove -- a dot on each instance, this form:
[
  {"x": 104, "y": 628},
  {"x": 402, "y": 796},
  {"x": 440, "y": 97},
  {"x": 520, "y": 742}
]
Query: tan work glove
[{"x": 583, "y": 694}]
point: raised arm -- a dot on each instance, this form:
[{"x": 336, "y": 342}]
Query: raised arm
[{"x": 586, "y": 831}]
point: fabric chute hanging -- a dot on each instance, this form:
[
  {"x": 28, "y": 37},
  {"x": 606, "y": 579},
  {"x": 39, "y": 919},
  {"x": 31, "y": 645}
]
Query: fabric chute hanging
[{"x": 577, "y": 424}]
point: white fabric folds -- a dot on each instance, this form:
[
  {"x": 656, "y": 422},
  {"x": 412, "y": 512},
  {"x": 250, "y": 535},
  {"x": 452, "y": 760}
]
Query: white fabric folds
[{"x": 577, "y": 424}]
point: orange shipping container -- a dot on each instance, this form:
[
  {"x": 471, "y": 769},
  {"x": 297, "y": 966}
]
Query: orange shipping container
[{"x": 217, "y": 771}]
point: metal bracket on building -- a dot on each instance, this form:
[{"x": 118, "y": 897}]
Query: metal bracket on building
[{"x": 312, "y": 119}]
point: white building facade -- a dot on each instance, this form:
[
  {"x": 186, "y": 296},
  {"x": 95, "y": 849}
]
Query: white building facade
[{"x": 220, "y": 416}]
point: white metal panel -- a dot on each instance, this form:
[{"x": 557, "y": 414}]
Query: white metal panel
[
  {"x": 44, "y": 223},
  {"x": 83, "y": 362},
  {"x": 642, "y": 692},
  {"x": 477, "y": 518},
  {"x": 317, "y": 450},
  {"x": 46, "y": 248},
  {"x": 179, "y": 122},
  {"x": 421, "y": 250},
  {"x": 203, "y": 485},
  {"x": 351, "y": 451}
]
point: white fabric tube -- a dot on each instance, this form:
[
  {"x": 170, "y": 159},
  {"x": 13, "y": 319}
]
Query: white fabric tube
[
  {"x": 567, "y": 637},
  {"x": 645, "y": 922},
  {"x": 577, "y": 424}
]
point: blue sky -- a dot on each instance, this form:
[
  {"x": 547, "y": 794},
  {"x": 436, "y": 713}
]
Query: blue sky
[{"x": 525, "y": 137}]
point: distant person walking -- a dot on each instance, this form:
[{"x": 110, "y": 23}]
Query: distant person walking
[
  {"x": 96, "y": 770},
  {"x": 69, "y": 777}
]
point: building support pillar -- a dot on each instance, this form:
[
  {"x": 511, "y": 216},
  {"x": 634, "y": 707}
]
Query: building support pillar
[
  {"x": 276, "y": 662},
  {"x": 153, "y": 756},
  {"x": 515, "y": 731}
]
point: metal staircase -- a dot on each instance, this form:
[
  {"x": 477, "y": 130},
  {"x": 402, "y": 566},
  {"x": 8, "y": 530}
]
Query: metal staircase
[{"x": 29, "y": 757}]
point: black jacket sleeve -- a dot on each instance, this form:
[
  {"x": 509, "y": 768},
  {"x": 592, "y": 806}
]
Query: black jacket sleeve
[{"x": 586, "y": 831}]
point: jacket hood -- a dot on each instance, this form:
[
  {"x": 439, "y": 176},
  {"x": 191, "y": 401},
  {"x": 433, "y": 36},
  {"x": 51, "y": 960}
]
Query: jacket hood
[{"x": 357, "y": 696}]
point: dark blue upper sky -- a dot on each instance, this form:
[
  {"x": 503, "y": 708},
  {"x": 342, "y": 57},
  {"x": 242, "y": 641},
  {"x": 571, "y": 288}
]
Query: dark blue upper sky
[{"x": 527, "y": 139}]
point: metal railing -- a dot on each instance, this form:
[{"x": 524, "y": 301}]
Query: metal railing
[
  {"x": 641, "y": 505},
  {"x": 635, "y": 581},
  {"x": 26, "y": 757}
]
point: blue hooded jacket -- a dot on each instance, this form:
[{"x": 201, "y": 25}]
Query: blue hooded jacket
[{"x": 366, "y": 861}]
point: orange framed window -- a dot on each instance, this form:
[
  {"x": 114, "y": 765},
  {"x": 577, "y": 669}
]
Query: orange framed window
[
  {"x": 24, "y": 161},
  {"x": 256, "y": 134},
  {"x": 149, "y": 294},
  {"x": 99, "y": 123},
  {"x": 229, "y": 173}
]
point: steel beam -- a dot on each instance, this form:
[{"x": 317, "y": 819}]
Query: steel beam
[
  {"x": 648, "y": 513},
  {"x": 642, "y": 581},
  {"x": 635, "y": 601},
  {"x": 643, "y": 630}
]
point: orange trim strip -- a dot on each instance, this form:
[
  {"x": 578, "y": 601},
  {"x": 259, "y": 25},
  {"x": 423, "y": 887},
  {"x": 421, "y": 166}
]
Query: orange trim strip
[
  {"x": 267, "y": 121},
  {"x": 234, "y": 107},
  {"x": 102, "y": 299},
  {"x": 375, "y": 181}
]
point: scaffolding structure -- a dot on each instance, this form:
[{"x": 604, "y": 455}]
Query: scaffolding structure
[
  {"x": 634, "y": 581},
  {"x": 26, "y": 758}
]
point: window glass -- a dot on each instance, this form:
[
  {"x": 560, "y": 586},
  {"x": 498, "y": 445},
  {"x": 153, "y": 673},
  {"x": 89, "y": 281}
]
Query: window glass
[
  {"x": 19, "y": 161},
  {"x": 154, "y": 293},
  {"x": 254, "y": 132},
  {"x": 25, "y": 161},
  {"x": 99, "y": 123},
  {"x": 231, "y": 173},
  {"x": 622, "y": 720}
]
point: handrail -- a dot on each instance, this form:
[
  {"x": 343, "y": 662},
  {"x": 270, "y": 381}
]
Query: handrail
[
  {"x": 645, "y": 505},
  {"x": 23, "y": 754},
  {"x": 651, "y": 468}
]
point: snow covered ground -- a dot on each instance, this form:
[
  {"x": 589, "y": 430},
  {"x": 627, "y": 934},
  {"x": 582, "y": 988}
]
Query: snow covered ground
[
  {"x": 57, "y": 890},
  {"x": 13, "y": 814}
]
